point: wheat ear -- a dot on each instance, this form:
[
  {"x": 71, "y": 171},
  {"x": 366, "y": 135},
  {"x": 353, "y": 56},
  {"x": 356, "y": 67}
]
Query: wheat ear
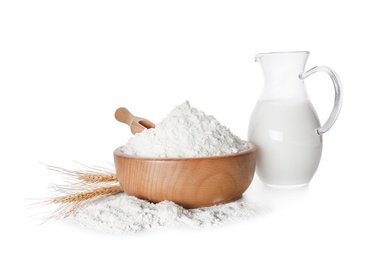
[
  {"x": 86, "y": 195},
  {"x": 89, "y": 174},
  {"x": 70, "y": 201},
  {"x": 83, "y": 186}
]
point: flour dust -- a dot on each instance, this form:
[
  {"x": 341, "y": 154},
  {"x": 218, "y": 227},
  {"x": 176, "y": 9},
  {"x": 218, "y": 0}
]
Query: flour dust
[{"x": 123, "y": 214}]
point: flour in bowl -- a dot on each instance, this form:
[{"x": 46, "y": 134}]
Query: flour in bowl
[{"x": 186, "y": 132}]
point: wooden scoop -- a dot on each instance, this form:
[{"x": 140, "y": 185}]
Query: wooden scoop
[{"x": 136, "y": 124}]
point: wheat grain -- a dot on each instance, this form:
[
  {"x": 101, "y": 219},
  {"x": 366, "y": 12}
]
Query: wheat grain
[
  {"x": 86, "y": 195},
  {"x": 90, "y": 174},
  {"x": 83, "y": 186},
  {"x": 97, "y": 177},
  {"x": 71, "y": 202}
]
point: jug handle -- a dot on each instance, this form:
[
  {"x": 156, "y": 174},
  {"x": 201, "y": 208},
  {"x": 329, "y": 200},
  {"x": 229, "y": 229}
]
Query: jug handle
[{"x": 338, "y": 95}]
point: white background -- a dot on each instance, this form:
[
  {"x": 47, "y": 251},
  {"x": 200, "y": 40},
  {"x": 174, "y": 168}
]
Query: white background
[{"x": 65, "y": 66}]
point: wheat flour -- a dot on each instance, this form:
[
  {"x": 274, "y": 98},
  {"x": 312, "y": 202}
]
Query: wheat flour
[
  {"x": 121, "y": 214},
  {"x": 185, "y": 132}
]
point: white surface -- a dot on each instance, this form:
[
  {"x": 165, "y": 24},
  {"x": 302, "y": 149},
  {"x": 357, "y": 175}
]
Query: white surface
[{"x": 66, "y": 66}]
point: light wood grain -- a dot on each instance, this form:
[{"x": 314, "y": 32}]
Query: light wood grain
[
  {"x": 136, "y": 124},
  {"x": 189, "y": 182}
]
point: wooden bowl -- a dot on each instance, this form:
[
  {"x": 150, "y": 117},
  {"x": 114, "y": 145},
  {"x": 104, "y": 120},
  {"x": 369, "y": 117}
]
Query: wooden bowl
[{"x": 189, "y": 182}]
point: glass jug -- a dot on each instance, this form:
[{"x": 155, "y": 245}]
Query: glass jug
[{"x": 284, "y": 124}]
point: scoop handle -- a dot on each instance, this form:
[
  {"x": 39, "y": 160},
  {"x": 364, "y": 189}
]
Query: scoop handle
[
  {"x": 123, "y": 115},
  {"x": 136, "y": 124}
]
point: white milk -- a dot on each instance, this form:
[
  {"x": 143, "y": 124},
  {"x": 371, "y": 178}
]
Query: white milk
[{"x": 288, "y": 146}]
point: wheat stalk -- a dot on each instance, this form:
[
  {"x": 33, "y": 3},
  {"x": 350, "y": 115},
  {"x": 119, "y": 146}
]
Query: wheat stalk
[
  {"x": 86, "y": 195},
  {"x": 90, "y": 174},
  {"x": 97, "y": 177},
  {"x": 83, "y": 186},
  {"x": 69, "y": 203}
]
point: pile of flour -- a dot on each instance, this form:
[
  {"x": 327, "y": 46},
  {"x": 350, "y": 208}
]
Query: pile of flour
[
  {"x": 185, "y": 132},
  {"x": 123, "y": 214}
]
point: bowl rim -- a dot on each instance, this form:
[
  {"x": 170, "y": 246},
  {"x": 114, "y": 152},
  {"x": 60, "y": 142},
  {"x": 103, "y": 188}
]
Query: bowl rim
[{"x": 251, "y": 148}]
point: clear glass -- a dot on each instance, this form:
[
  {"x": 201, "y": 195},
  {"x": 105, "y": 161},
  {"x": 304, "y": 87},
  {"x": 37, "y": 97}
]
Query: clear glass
[
  {"x": 280, "y": 71},
  {"x": 284, "y": 124}
]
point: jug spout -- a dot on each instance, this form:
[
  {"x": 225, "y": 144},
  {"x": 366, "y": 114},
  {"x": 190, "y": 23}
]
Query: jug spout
[
  {"x": 281, "y": 72},
  {"x": 283, "y": 55}
]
